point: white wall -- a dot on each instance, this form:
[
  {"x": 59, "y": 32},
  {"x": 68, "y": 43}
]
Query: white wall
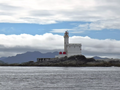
[{"x": 73, "y": 49}]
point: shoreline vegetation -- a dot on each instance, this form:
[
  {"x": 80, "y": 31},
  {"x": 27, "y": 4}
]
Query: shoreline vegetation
[{"x": 73, "y": 61}]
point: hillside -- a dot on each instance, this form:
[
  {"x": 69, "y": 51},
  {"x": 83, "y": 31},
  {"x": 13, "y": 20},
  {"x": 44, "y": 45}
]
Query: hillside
[
  {"x": 1, "y": 62},
  {"x": 97, "y": 58},
  {"x": 29, "y": 56}
]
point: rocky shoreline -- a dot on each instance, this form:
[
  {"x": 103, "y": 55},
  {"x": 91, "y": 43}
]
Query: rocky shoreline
[{"x": 73, "y": 61}]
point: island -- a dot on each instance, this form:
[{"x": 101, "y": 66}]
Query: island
[{"x": 73, "y": 61}]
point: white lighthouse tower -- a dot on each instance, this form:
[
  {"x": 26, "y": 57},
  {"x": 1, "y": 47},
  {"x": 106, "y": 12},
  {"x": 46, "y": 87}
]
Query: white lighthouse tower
[{"x": 66, "y": 41}]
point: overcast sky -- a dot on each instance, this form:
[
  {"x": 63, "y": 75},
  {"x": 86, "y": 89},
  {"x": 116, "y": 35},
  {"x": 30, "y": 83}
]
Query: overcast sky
[{"x": 39, "y": 25}]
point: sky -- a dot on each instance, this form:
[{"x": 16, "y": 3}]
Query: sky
[{"x": 39, "y": 25}]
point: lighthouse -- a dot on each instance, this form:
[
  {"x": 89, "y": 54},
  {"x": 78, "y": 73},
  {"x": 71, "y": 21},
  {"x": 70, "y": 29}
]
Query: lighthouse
[
  {"x": 66, "y": 41},
  {"x": 70, "y": 49}
]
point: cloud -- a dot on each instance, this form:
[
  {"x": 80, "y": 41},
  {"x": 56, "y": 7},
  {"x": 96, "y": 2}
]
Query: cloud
[
  {"x": 15, "y": 44},
  {"x": 42, "y": 13},
  {"x": 112, "y": 24},
  {"x": 4, "y": 6},
  {"x": 103, "y": 12},
  {"x": 100, "y": 25},
  {"x": 107, "y": 47}
]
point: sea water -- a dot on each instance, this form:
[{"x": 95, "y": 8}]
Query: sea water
[{"x": 59, "y": 78}]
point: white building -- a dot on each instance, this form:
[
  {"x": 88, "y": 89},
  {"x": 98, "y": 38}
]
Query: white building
[{"x": 69, "y": 49}]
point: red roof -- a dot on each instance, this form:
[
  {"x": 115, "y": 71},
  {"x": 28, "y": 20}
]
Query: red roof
[
  {"x": 64, "y": 52},
  {"x": 60, "y": 52}
]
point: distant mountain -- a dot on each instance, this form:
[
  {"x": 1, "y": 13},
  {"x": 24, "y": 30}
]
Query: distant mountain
[
  {"x": 2, "y": 58},
  {"x": 97, "y": 57},
  {"x": 29, "y": 56},
  {"x": 1, "y": 62}
]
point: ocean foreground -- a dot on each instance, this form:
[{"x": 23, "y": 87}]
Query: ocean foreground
[
  {"x": 73, "y": 61},
  {"x": 59, "y": 78}
]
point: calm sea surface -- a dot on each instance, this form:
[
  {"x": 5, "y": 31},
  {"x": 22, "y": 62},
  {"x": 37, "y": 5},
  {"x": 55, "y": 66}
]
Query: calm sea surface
[{"x": 59, "y": 78}]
